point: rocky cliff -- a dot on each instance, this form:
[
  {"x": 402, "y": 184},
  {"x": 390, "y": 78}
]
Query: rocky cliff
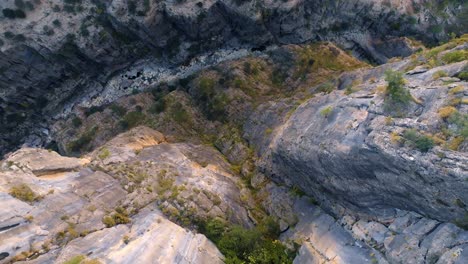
[
  {"x": 57, "y": 54},
  {"x": 347, "y": 146},
  {"x": 233, "y": 131},
  {"x": 305, "y": 135}
]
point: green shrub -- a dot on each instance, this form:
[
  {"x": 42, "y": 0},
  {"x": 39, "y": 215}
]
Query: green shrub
[
  {"x": 131, "y": 6},
  {"x": 57, "y": 23},
  {"x": 461, "y": 122},
  {"x": 76, "y": 121},
  {"x": 462, "y": 222},
  {"x": 8, "y": 34},
  {"x": 118, "y": 110},
  {"x": 158, "y": 107},
  {"x": 213, "y": 229},
  {"x": 108, "y": 221},
  {"x": 271, "y": 251},
  {"x": 269, "y": 228},
  {"x": 395, "y": 90},
  {"x": 416, "y": 140},
  {"x": 20, "y": 13},
  {"x": 179, "y": 113},
  {"x": 296, "y": 191},
  {"x": 83, "y": 140},
  {"x": 92, "y": 110},
  {"x": 24, "y": 193},
  {"x": 325, "y": 112},
  {"x": 455, "y": 56},
  {"x": 19, "y": 38},
  {"x": 241, "y": 245},
  {"x": 238, "y": 242},
  {"x": 463, "y": 75},
  {"x": 132, "y": 119},
  {"x": 29, "y": 6},
  {"x": 104, "y": 153},
  {"x": 120, "y": 216},
  {"x": 13, "y": 13},
  {"x": 214, "y": 102},
  {"x": 206, "y": 88},
  {"x": 439, "y": 74},
  {"x": 75, "y": 260},
  {"x": 48, "y": 31}
]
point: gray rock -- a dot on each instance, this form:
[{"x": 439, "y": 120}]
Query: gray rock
[
  {"x": 348, "y": 162},
  {"x": 44, "y": 162},
  {"x": 150, "y": 239},
  {"x": 47, "y": 75}
]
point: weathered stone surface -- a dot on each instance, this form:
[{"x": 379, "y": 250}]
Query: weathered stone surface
[
  {"x": 150, "y": 239},
  {"x": 323, "y": 240},
  {"x": 348, "y": 160},
  {"x": 138, "y": 171},
  {"x": 44, "y": 162}
]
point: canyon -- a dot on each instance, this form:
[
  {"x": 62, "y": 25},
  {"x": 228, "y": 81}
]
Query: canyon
[{"x": 162, "y": 131}]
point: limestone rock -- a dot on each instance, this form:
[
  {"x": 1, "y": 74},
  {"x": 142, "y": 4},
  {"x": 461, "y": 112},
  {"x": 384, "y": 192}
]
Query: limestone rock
[
  {"x": 352, "y": 159},
  {"x": 150, "y": 239},
  {"x": 44, "y": 162}
]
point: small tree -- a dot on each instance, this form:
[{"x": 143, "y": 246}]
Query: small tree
[
  {"x": 9, "y": 13},
  {"x": 396, "y": 95}
]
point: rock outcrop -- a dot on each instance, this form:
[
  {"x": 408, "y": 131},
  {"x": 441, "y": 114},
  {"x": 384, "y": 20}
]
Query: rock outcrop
[
  {"x": 352, "y": 153},
  {"x": 109, "y": 205},
  {"x": 150, "y": 239},
  {"x": 406, "y": 237}
]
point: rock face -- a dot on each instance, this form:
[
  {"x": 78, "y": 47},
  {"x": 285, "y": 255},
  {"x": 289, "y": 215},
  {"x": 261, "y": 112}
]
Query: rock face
[
  {"x": 150, "y": 239},
  {"x": 348, "y": 151},
  {"x": 108, "y": 206},
  {"x": 42, "y": 162},
  {"x": 405, "y": 238},
  {"x": 80, "y": 52}
]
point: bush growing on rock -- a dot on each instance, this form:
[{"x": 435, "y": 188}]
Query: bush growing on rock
[
  {"x": 463, "y": 75},
  {"x": 118, "y": 110},
  {"x": 455, "y": 56},
  {"x": 120, "y": 216},
  {"x": 460, "y": 121},
  {"x": 83, "y": 140},
  {"x": 158, "y": 107},
  {"x": 76, "y": 121},
  {"x": 462, "y": 222},
  {"x": 446, "y": 112},
  {"x": 396, "y": 95},
  {"x": 24, "y": 193},
  {"x": 241, "y": 245},
  {"x": 13, "y": 13},
  {"x": 213, "y": 229},
  {"x": 104, "y": 153},
  {"x": 269, "y": 228},
  {"x": 132, "y": 119},
  {"x": 416, "y": 140},
  {"x": 326, "y": 111},
  {"x": 75, "y": 260},
  {"x": 80, "y": 259},
  {"x": 439, "y": 74}
]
